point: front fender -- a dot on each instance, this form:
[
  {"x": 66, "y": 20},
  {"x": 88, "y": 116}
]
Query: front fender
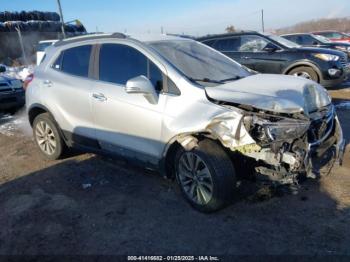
[{"x": 304, "y": 62}]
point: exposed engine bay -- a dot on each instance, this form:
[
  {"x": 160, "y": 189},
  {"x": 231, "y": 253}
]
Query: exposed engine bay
[{"x": 284, "y": 146}]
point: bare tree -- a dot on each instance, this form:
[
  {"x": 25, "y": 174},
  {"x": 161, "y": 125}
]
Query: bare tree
[{"x": 230, "y": 29}]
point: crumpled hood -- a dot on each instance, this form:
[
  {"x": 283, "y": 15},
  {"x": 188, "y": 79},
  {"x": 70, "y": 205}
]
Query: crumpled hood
[{"x": 277, "y": 93}]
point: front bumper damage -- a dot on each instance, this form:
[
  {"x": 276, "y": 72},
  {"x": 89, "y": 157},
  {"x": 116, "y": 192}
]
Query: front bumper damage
[{"x": 284, "y": 161}]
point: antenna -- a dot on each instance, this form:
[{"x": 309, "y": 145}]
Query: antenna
[{"x": 262, "y": 20}]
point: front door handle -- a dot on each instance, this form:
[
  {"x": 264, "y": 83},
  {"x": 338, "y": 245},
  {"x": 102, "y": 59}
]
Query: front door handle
[
  {"x": 245, "y": 57},
  {"x": 99, "y": 96}
]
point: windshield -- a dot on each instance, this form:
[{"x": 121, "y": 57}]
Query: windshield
[
  {"x": 284, "y": 41},
  {"x": 199, "y": 62},
  {"x": 322, "y": 39}
]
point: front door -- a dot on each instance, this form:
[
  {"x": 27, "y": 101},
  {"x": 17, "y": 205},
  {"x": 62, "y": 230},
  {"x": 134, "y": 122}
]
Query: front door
[
  {"x": 127, "y": 123},
  {"x": 261, "y": 55}
]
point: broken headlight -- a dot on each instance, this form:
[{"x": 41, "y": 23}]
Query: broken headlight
[{"x": 276, "y": 129}]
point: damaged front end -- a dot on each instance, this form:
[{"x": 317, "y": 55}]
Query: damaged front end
[{"x": 284, "y": 146}]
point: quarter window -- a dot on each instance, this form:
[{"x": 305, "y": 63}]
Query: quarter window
[{"x": 119, "y": 63}]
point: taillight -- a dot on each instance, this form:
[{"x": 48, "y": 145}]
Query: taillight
[{"x": 27, "y": 81}]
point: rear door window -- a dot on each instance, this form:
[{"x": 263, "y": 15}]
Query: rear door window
[
  {"x": 75, "y": 61},
  {"x": 228, "y": 44}
]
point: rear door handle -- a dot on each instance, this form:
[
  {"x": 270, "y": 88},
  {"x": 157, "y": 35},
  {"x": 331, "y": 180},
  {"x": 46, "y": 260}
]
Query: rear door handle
[
  {"x": 245, "y": 57},
  {"x": 99, "y": 96},
  {"x": 47, "y": 83}
]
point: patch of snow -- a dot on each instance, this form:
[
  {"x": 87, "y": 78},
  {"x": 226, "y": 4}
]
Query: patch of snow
[
  {"x": 15, "y": 124},
  {"x": 20, "y": 72}
]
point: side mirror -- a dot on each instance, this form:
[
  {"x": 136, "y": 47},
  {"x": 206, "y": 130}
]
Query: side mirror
[
  {"x": 142, "y": 85},
  {"x": 270, "y": 48},
  {"x": 315, "y": 43},
  {"x": 2, "y": 69}
]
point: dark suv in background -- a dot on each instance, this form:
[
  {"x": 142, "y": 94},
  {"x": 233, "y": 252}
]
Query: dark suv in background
[
  {"x": 276, "y": 55},
  {"x": 312, "y": 40}
]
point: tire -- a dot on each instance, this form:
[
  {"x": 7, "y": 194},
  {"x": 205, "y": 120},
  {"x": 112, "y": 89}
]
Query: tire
[
  {"x": 49, "y": 142},
  {"x": 306, "y": 72},
  {"x": 214, "y": 174}
]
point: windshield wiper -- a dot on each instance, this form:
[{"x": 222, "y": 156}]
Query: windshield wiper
[
  {"x": 223, "y": 81},
  {"x": 230, "y": 79},
  {"x": 207, "y": 80}
]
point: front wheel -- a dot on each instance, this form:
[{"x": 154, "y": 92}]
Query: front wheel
[
  {"x": 206, "y": 176},
  {"x": 305, "y": 72},
  {"x": 47, "y": 137}
]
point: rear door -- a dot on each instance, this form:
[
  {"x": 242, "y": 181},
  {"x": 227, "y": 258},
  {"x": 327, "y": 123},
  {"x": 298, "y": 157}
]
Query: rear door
[
  {"x": 66, "y": 89},
  {"x": 127, "y": 123}
]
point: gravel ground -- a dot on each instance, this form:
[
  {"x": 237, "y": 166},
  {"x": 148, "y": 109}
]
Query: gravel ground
[{"x": 87, "y": 204}]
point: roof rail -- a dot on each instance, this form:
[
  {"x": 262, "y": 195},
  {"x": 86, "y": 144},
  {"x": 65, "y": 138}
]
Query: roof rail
[
  {"x": 89, "y": 37},
  {"x": 227, "y": 34}
]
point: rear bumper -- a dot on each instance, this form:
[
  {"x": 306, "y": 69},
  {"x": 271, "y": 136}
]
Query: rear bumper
[{"x": 11, "y": 100}]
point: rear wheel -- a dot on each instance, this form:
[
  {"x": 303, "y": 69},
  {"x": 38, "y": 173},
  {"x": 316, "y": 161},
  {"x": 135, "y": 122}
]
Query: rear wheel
[
  {"x": 206, "y": 176},
  {"x": 305, "y": 72},
  {"x": 47, "y": 137}
]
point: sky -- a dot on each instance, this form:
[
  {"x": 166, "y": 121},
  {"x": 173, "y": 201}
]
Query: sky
[{"x": 195, "y": 17}]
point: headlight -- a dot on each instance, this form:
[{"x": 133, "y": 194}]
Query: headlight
[
  {"x": 327, "y": 57},
  {"x": 17, "y": 84},
  {"x": 278, "y": 129}
]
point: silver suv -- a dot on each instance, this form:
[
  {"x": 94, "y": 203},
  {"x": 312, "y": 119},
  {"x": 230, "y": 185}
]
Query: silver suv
[{"x": 181, "y": 107}]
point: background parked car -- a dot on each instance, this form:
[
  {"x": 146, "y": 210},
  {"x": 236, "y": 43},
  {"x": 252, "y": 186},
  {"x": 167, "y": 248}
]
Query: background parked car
[
  {"x": 312, "y": 40},
  {"x": 334, "y": 36},
  {"x": 277, "y": 55},
  {"x": 11, "y": 92}
]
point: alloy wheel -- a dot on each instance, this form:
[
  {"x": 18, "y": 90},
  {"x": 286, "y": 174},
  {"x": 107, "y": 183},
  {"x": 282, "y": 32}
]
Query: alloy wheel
[
  {"x": 303, "y": 74},
  {"x": 195, "y": 178},
  {"x": 45, "y": 138}
]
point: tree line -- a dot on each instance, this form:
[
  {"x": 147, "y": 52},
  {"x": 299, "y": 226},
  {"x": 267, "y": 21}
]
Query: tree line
[{"x": 336, "y": 24}]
